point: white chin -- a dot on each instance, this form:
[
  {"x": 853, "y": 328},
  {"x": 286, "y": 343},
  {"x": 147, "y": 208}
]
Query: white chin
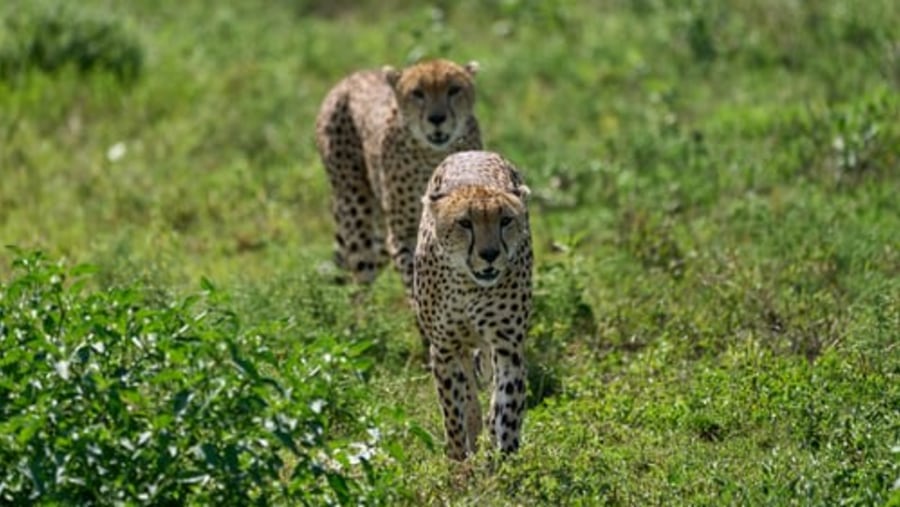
[
  {"x": 439, "y": 142},
  {"x": 485, "y": 281}
]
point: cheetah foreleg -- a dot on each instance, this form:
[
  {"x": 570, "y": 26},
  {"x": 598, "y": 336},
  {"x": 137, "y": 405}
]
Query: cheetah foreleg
[
  {"x": 452, "y": 377},
  {"x": 508, "y": 398}
]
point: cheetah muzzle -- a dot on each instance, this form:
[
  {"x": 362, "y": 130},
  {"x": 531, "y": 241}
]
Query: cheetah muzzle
[{"x": 438, "y": 139}]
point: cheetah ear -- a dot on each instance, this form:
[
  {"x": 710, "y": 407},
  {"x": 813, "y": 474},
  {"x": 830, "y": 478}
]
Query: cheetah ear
[
  {"x": 391, "y": 75},
  {"x": 436, "y": 194},
  {"x": 521, "y": 191},
  {"x": 472, "y": 68},
  {"x": 434, "y": 197}
]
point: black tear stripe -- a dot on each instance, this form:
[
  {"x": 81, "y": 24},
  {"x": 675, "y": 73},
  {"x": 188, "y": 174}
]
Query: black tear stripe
[{"x": 471, "y": 237}]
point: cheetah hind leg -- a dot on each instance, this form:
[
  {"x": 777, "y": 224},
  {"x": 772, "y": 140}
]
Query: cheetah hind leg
[
  {"x": 381, "y": 257},
  {"x": 352, "y": 206},
  {"x": 379, "y": 244},
  {"x": 343, "y": 275}
]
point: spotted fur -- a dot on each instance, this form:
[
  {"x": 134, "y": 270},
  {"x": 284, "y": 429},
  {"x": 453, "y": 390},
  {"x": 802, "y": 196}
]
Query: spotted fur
[
  {"x": 380, "y": 135},
  {"x": 472, "y": 284}
]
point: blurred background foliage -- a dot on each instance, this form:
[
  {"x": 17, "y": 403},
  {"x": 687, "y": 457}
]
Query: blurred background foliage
[{"x": 715, "y": 216}]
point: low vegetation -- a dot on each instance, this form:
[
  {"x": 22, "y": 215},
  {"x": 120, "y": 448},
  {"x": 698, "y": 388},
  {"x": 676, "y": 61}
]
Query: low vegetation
[{"x": 717, "y": 270}]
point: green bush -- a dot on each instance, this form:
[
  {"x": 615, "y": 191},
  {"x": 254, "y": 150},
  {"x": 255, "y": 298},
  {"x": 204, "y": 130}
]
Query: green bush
[
  {"x": 51, "y": 38},
  {"x": 109, "y": 396}
]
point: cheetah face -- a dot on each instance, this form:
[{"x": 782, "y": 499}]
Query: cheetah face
[
  {"x": 435, "y": 98},
  {"x": 480, "y": 229}
]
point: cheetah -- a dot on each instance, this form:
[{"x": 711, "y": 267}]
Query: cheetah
[
  {"x": 380, "y": 134},
  {"x": 472, "y": 284}
]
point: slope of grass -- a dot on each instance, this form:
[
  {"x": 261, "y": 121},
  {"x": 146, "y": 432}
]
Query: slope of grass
[{"x": 716, "y": 231}]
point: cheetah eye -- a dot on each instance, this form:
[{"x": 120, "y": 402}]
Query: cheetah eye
[
  {"x": 505, "y": 221},
  {"x": 454, "y": 90},
  {"x": 465, "y": 223},
  {"x": 418, "y": 93}
]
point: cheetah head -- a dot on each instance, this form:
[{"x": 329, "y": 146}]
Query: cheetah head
[
  {"x": 436, "y": 99},
  {"x": 480, "y": 229}
]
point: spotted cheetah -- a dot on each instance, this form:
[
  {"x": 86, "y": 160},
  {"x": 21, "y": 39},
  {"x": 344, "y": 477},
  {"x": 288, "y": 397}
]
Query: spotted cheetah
[
  {"x": 380, "y": 134},
  {"x": 472, "y": 285}
]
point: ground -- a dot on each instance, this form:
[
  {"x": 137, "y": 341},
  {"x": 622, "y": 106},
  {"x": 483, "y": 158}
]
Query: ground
[{"x": 714, "y": 212}]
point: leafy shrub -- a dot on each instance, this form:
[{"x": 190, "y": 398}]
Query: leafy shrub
[
  {"x": 49, "y": 39},
  {"x": 107, "y": 396}
]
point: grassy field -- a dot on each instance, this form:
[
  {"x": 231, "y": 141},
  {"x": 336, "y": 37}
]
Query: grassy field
[{"x": 717, "y": 230}]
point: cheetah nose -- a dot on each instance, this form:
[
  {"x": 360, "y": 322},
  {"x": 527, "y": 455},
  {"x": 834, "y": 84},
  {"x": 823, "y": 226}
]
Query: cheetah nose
[
  {"x": 437, "y": 118},
  {"x": 489, "y": 254}
]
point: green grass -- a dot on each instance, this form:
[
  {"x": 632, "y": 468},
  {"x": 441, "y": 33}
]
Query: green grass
[{"x": 717, "y": 237}]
